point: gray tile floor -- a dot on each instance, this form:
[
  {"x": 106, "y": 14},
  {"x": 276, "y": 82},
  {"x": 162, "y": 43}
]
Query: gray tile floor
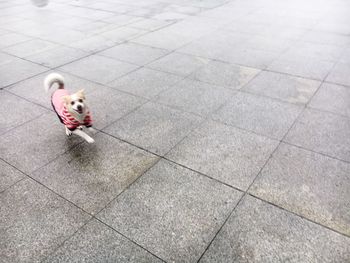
[{"x": 223, "y": 131}]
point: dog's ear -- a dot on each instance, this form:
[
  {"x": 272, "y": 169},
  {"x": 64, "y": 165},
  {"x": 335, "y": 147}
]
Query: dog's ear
[
  {"x": 81, "y": 94},
  {"x": 66, "y": 99}
]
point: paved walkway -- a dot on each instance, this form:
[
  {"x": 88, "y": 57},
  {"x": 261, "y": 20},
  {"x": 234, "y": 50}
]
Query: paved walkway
[{"x": 223, "y": 131}]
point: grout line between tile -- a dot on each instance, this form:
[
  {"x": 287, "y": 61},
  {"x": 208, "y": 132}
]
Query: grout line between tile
[
  {"x": 300, "y": 216},
  {"x": 10, "y": 186},
  {"x": 67, "y": 239},
  {"x": 163, "y": 157},
  {"x": 244, "y": 194},
  {"x": 259, "y": 173},
  {"x": 221, "y": 227},
  {"x": 132, "y": 241},
  {"x": 24, "y": 123}
]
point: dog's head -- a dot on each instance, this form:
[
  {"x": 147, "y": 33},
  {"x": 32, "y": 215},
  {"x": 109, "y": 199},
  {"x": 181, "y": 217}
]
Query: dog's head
[{"x": 75, "y": 102}]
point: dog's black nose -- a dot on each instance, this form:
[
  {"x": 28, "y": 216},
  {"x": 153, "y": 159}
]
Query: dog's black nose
[{"x": 79, "y": 107}]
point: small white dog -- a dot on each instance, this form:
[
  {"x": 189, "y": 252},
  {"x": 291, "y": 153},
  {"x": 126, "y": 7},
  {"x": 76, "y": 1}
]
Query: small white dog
[{"x": 71, "y": 109}]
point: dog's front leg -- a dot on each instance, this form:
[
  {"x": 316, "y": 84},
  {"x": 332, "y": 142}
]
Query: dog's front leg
[{"x": 84, "y": 135}]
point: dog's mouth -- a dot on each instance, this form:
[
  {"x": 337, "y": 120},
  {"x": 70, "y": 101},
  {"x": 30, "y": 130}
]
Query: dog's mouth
[{"x": 80, "y": 111}]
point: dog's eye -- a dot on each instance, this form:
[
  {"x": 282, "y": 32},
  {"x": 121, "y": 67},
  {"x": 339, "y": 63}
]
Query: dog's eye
[
  {"x": 72, "y": 102},
  {"x": 80, "y": 100}
]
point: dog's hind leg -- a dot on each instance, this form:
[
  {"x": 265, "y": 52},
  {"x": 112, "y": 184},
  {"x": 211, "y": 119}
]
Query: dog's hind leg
[
  {"x": 68, "y": 132},
  {"x": 83, "y": 135},
  {"x": 90, "y": 129}
]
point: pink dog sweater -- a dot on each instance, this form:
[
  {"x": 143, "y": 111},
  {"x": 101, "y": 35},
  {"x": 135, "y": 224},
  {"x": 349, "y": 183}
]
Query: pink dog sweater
[{"x": 65, "y": 117}]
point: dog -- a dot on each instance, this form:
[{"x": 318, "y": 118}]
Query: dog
[{"x": 71, "y": 109}]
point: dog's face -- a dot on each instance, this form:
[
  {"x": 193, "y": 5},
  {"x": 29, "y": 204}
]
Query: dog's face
[{"x": 75, "y": 102}]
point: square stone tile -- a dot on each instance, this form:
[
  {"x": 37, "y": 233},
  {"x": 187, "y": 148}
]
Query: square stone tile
[
  {"x": 35, "y": 29},
  {"x": 35, "y": 143},
  {"x": 267, "y": 43},
  {"x": 95, "y": 27},
  {"x": 207, "y": 46},
  {"x": 314, "y": 50},
  {"x": 57, "y": 56},
  {"x": 196, "y": 97},
  {"x": 123, "y": 33},
  {"x": 17, "y": 70},
  {"x": 3, "y": 32},
  {"x": 185, "y": 9},
  {"x": 154, "y": 127},
  {"x": 108, "y": 105},
  {"x": 179, "y": 64},
  {"x": 145, "y": 82},
  {"x": 333, "y": 98},
  {"x": 213, "y": 45},
  {"x": 20, "y": 24},
  {"x": 96, "y": 242},
  {"x": 114, "y": 7},
  {"x": 345, "y": 58},
  {"x": 209, "y": 3},
  {"x": 121, "y": 20},
  {"x": 322, "y": 132},
  {"x": 304, "y": 67},
  {"x": 34, "y": 222},
  {"x": 281, "y": 31},
  {"x": 164, "y": 39},
  {"x": 72, "y": 22},
  {"x": 134, "y": 53},
  {"x": 62, "y": 35},
  {"x": 6, "y": 18},
  {"x": 15, "y": 111},
  {"x": 29, "y": 48},
  {"x": 5, "y": 58},
  {"x": 309, "y": 184},
  {"x": 90, "y": 176},
  {"x": 92, "y": 44},
  {"x": 42, "y": 15},
  {"x": 170, "y": 16},
  {"x": 12, "y": 39},
  {"x": 328, "y": 38},
  {"x": 225, "y": 153},
  {"x": 150, "y": 24},
  {"x": 98, "y": 68},
  {"x": 260, "y": 232},
  {"x": 226, "y": 75},
  {"x": 147, "y": 10},
  {"x": 262, "y": 115},
  {"x": 248, "y": 57},
  {"x": 173, "y": 226},
  {"x": 33, "y": 89},
  {"x": 340, "y": 74},
  {"x": 284, "y": 87},
  {"x": 88, "y": 13},
  {"x": 8, "y": 175},
  {"x": 338, "y": 28}
]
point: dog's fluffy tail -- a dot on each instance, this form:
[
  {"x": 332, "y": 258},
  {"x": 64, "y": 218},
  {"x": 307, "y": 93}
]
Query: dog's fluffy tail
[{"x": 51, "y": 79}]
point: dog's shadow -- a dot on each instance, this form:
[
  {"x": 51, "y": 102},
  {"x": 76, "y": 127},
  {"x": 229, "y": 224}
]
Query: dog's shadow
[{"x": 85, "y": 156}]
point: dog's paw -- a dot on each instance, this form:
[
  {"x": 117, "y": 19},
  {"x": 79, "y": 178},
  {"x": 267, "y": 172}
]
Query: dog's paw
[
  {"x": 90, "y": 140},
  {"x": 68, "y": 132},
  {"x": 90, "y": 129}
]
